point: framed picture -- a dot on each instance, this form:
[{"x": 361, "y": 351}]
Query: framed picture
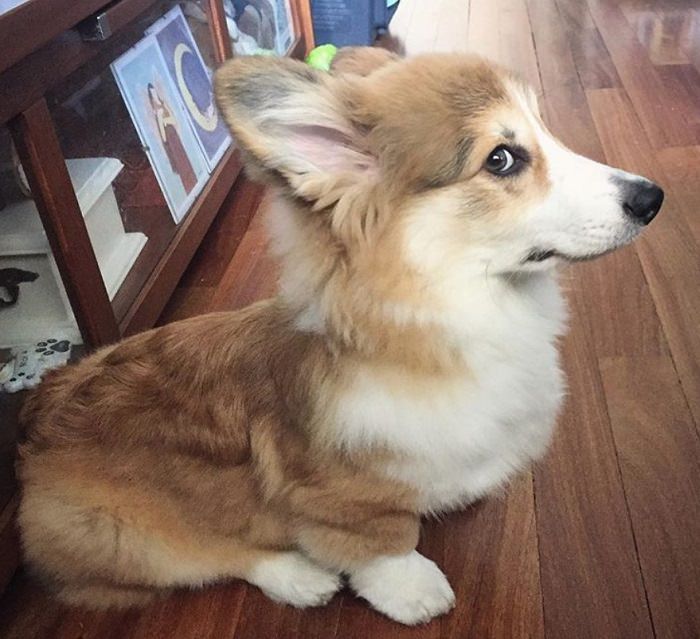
[
  {"x": 259, "y": 27},
  {"x": 162, "y": 125},
  {"x": 192, "y": 79}
]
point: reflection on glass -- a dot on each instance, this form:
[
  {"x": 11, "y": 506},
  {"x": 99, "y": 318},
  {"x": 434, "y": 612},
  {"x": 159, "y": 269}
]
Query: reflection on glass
[
  {"x": 259, "y": 27},
  {"x": 142, "y": 136}
]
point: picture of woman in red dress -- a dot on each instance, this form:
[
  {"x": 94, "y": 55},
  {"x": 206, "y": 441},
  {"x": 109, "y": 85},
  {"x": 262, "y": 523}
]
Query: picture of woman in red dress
[{"x": 168, "y": 131}]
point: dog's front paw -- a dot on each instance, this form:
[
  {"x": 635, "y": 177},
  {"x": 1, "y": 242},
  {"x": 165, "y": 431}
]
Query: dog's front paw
[
  {"x": 408, "y": 588},
  {"x": 293, "y": 579}
]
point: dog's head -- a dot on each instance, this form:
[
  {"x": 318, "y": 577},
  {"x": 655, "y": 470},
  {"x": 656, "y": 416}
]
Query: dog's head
[{"x": 446, "y": 155}]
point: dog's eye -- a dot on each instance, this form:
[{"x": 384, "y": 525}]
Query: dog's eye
[{"x": 502, "y": 161}]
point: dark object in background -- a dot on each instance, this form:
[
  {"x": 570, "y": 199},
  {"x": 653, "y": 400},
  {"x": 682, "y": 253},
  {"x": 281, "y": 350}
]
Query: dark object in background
[
  {"x": 10, "y": 279},
  {"x": 350, "y": 22}
]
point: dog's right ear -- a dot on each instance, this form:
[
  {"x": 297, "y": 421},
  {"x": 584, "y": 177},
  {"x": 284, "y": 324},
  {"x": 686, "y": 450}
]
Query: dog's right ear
[{"x": 293, "y": 121}]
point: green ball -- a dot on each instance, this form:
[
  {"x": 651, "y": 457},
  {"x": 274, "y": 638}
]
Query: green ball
[{"x": 322, "y": 56}]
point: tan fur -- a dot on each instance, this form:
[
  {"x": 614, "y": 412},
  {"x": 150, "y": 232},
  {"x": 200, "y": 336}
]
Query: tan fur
[
  {"x": 184, "y": 455},
  {"x": 361, "y": 60},
  {"x": 190, "y": 453}
]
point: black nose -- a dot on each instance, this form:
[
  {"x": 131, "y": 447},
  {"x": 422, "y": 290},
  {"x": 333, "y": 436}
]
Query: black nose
[{"x": 641, "y": 200}]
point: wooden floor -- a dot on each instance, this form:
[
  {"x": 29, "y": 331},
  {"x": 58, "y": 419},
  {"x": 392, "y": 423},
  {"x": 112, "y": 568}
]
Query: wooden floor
[{"x": 602, "y": 538}]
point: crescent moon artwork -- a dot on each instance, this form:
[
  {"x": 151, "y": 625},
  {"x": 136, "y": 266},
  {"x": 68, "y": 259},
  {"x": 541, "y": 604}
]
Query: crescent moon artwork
[
  {"x": 190, "y": 78},
  {"x": 209, "y": 120}
]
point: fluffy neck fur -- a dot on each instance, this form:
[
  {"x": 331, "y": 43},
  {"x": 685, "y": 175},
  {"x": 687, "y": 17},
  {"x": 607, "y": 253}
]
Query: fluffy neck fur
[{"x": 376, "y": 307}]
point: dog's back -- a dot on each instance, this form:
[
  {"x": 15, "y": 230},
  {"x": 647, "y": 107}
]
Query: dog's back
[{"x": 136, "y": 464}]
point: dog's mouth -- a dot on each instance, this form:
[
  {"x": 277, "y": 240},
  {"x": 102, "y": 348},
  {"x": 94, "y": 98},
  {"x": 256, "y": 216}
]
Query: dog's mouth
[{"x": 542, "y": 255}]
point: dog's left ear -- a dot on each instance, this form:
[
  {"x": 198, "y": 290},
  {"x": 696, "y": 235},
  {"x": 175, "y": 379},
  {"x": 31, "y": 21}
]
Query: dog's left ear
[{"x": 293, "y": 121}]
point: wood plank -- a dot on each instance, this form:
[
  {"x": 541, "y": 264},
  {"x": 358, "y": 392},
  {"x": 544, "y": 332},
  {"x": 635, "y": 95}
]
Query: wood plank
[
  {"x": 420, "y": 33},
  {"x": 552, "y": 43},
  {"x": 500, "y": 31},
  {"x": 199, "y": 284},
  {"x": 659, "y": 456},
  {"x": 516, "y": 49},
  {"x": 657, "y": 112},
  {"x": 492, "y": 561},
  {"x": 682, "y": 93},
  {"x": 565, "y": 110},
  {"x": 616, "y": 281},
  {"x": 620, "y": 311},
  {"x": 692, "y": 44},
  {"x": 593, "y": 63},
  {"x": 591, "y": 581},
  {"x": 225, "y": 234},
  {"x": 9, "y": 542},
  {"x": 452, "y": 33},
  {"x": 251, "y": 274},
  {"x": 482, "y": 34},
  {"x": 667, "y": 250},
  {"x": 681, "y": 167},
  {"x": 186, "y": 301},
  {"x": 575, "y": 14},
  {"x": 187, "y": 614},
  {"x": 304, "y": 21},
  {"x": 401, "y": 20}
]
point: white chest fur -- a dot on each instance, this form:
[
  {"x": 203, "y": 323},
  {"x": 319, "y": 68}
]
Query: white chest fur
[{"x": 459, "y": 439}]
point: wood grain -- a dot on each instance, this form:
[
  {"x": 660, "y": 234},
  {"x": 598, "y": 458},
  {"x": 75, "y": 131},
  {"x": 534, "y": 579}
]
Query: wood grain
[
  {"x": 556, "y": 63},
  {"x": 492, "y": 559},
  {"x": 500, "y": 30},
  {"x": 591, "y": 582},
  {"x": 420, "y": 32},
  {"x": 681, "y": 168},
  {"x": 304, "y": 23},
  {"x": 593, "y": 64},
  {"x": 219, "y": 30},
  {"x": 659, "y": 455},
  {"x": 668, "y": 253},
  {"x": 452, "y": 34},
  {"x": 655, "y": 109},
  {"x": 33, "y": 23}
]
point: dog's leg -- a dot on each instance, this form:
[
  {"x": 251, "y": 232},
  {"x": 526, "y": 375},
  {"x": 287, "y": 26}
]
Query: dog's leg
[
  {"x": 292, "y": 578},
  {"x": 376, "y": 548},
  {"x": 104, "y": 557},
  {"x": 408, "y": 588}
]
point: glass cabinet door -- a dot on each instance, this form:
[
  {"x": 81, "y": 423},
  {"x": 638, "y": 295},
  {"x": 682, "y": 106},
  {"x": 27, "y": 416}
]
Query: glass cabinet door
[{"x": 141, "y": 136}]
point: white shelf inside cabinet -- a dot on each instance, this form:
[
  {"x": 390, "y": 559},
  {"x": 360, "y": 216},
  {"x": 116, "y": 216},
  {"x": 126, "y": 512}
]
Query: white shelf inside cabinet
[{"x": 23, "y": 242}]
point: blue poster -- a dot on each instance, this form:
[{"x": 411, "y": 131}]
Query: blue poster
[{"x": 193, "y": 81}]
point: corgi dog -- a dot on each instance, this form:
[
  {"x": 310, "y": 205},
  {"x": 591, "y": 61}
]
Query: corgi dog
[{"x": 408, "y": 365}]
